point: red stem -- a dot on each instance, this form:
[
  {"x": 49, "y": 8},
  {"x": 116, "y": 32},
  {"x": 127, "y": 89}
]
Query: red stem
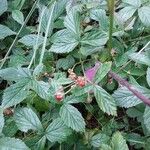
[{"x": 130, "y": 88}]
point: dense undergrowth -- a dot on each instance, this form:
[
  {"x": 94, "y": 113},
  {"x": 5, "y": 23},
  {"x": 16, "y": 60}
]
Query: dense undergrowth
[{"x": 75, "y": 74}]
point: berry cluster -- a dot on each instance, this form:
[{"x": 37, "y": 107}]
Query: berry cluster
[{"x": 79, "y": 80}]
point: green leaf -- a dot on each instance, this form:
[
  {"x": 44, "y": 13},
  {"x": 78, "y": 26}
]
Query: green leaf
[
  {"x": 102, "y": 71},
  {"x": 144, "y": 15},
  {"x": 26, "y": 119},
  {"x": 146, "y": 117},
  {"x": 134, "y": 3},
  {"x": 65, "y": 63},
  {"x": 84, "y": 90},
  {"x": 72, "y": 22},
  {"x": 5, "y": 31},
  {"x": 40, "y": 145},
  {"x": 148, "y": 76},
  {"x": 38, "y": 70},
  {"x": 105, "y": 147},
  {"x": 118, "y": 142},
  {"x": 74, "y": 99},
  {"x": 95, "y": 38},
  {"x": 7, "y": 143},
  {"x": 41, "y": 88},
  {"x": 18, "y": 4},
  {"x": 16, "y": 93},
  {"x": 18, "y": 58},
  {"x": 63, "y": 42},
  {"x": 135, "y": 138},
  {"x": 105, "y": 101},
  {"x": 10, "y": 128},
  {"x": 134, "y": 112},
  {"x": 100, "y": 15},
  {"x": 126, "y": 98},
  {"x": 57, "y": 131},
  {"x": 3, "y": 6},
  {"x": 17, "y": 15},
  {"x": 99, "y": 139},
  {"x": 127, "y": 12},
  {"x": 141, "y": 58},
  {"x": 72, "y": 117},
  {"x": 87, "y": 50},
  {"x": 30, "y": 40},
  {"x": 15, "y": 74},
  {"x": 58, "y": 9},
  {"x": 1, "y": 120}
]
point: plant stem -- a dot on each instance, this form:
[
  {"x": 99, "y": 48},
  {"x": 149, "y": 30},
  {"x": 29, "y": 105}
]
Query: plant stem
[
  {"x": 36, "y": 45},
  {"x": 111, "y": 7},
  {"x": 125, "y": 83},
  {"x": 50, "y": 21}
]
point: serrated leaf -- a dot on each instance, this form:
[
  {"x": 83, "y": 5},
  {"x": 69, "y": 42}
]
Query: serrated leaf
[
  {"x": 58, "y": 9},
  {"x": 144, "y": 15},
  {"x": 16, "y": 93},
  {"x": 10, "y": 128},
  {"x": 1, "y": 120},
  {"x": 141, "y": 58},
  {"x": 105, "y": 101},
  {"x": 15, "y": 74},
  {"x": 72, "y": 22},
  {"x": 95, "y": 38},
  {"x": 118, "y": 142},
  {"x": 84, "y": 90},
  {"x": 146, "y": 117},
  {"x": 135, "y": 138},
  {"x": 5, "y": 31},
  {"x": 134, "y": 3},
  {"x": 126, "y": 13},
  {"x": 17, "y": 15},
  {"x": 102, "y": 71},
  {"x": 148, "y": 76},
  {"x": 26, "y": 119},
  {"x": 3, "y": 6},
  {"x": 72, "y": 117},
  {"x": 134, "y": 112},
  {"x": 63, "y": 42},
  {"x": 38, "y": 70},
  {"x": 100, "y": 15},
  {"x": 65, "y": 63},
  {"x": 105, "y": 147},
  {"x": 41, "y": 88},
  {"x": 99, "y": 139},
  {"x": 18, "y": 4},
  {"x": 74, "y": 99},
  {"x": 60, "y": 79},
  {"x": 30, "y": 40},
  {"x": 87, "y": 50},
  {"x": 40, "y": 145},
  {"x": 126, "y": 98},
  {"x": 57, "y": 131},
  {"x": 7, "y": 143}
]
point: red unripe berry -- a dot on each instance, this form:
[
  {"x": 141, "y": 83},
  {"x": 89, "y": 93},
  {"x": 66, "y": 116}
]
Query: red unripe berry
[
  {"x": 80, "y": 81},
  {"x": 59, "y": 96}
]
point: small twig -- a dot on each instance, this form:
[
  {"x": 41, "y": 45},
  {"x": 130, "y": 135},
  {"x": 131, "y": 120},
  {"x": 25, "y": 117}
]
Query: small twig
[{"x": 130, "y": 88}]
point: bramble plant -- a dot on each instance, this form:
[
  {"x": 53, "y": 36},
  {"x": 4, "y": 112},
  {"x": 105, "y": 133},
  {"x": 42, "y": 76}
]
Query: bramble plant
[{"x": 75, "y": 74}]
